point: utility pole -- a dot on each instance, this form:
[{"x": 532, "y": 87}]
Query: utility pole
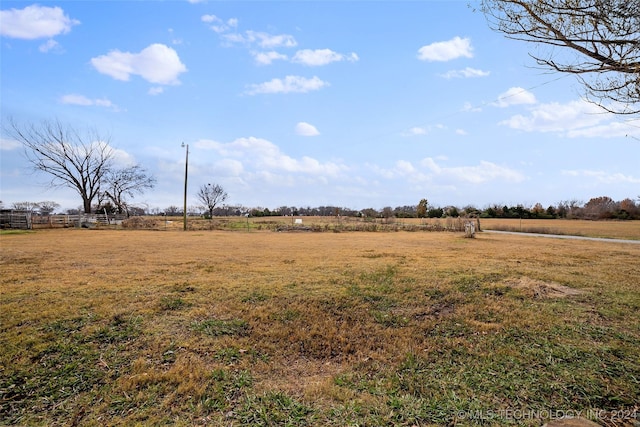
[{"x": 186, "y": 174}]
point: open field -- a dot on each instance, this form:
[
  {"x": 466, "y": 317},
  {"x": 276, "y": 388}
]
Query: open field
[
  {"x": 126, "y": 327},
  {"x": 608, "y": 229}
]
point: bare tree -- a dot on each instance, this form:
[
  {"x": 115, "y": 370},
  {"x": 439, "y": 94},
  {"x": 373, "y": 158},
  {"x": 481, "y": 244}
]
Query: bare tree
[
  {"x": 75, "y": 160},
  {"x": 173, "y": 211},
  {"x": 211, "y": 195},
  {"x": 47, "y": 207},
  {"x": 26, "y": 206},
  {"x": 605, "y": 34},
  {"x": 129, "y": 181}
]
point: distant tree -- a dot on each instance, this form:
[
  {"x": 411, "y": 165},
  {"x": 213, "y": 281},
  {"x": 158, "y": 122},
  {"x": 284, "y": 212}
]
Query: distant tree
[
  {"x": 600, "y": 208},
  {"x": 551, "y": 212},
  {"x": 569, "y": 209},
  {"x": 421, "y": 210},
  {"x": 285, "y": 210},
  {"x": 126, "y": 182},
  {"x": 628, "y": 204},
  {"x": 173, "y": 211},
  {"x": 603, "y": 34},
  {"x": 407, "y": 211},
  {"x": 435, "y": 212},
  {"x": 537, "y": 210},
  {"x": 137, "y": 211},
  {"x": 370, "y": 213},
  {"x": 471, "y": 211},
  {"x": 211, "y": 195},
  {"x": 489, "y": 212},
  {"x": 452, "y": 211},
  {"x": 387, "y": 213},
  {"x": 73, "y": 159},
  {"x": 26, "y": 206},
  {"x": 47, "y": 207}
]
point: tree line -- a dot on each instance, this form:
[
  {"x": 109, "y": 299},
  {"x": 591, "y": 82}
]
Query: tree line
[
  {"x": 597, "y": 208},
  {"x": 212, "y": 195}
]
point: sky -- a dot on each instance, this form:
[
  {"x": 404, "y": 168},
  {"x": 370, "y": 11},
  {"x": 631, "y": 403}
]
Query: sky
[{"x": 357, "y": 104}]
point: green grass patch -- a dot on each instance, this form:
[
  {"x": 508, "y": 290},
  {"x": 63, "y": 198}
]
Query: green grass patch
[{"x": 218, "y": 327}]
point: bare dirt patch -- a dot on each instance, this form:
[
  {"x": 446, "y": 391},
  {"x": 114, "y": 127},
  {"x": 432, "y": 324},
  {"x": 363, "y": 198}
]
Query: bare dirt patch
[{"x": 540, "y": 289}]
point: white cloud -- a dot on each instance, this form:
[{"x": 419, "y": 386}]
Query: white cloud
[
  {"x": 264, "y": 157},
  {"x": 416, "y": 130},
  {"x": 319, "y": 57},
  {"x": 466, "y": 73},
  {"x": 611, "y": 129},
  {"x": 156, "y": 63},
  {"x": 75, "y": 99},
  {"x": 174, "y": 40},
  {"x": 210, "y": 18},
  {"x": 405, "y": 168},
  {"x": 219, "y": 25},
  {"x": 573, "y": 119},
  {"x": 420, "y": 130},
  {"x": 261, "y": 39},
  {"x": 306, "y": 129},
  {"x": 447, "y": 50},
  {"x": 266, "y": 58},
  {"x": 9, "y": 144},
  {"x": 290, "y": 84},
  {"x": 515, "y": 96},
  {"x": 157, "y": 90},
  {"x": 461, "y": 132},
  {"x": 603, "y": 177},
  {"x": 428, "y": 170},
  {"x": 230, "y": 167},
  {"x": 468, "y": 107},
  {"x": 48, "y": 46},
  {"x": 485, "y": 171},
  {"x": 34, "y": 22}
]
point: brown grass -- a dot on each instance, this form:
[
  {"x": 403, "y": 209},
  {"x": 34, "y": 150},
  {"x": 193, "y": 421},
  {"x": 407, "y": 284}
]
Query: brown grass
[
  {"x": 216, "y": 327},
  {"x": 607, "y": 229}
]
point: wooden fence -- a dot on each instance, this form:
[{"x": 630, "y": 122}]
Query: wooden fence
[
  {"x": 10, "y": 218},
  {"x": 26, "y": 220}
]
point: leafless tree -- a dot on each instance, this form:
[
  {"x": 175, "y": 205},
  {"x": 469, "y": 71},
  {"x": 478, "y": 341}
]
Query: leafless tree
[
  {"x": 603, "y": 35},
  {"x": 211, "y": 195},
  {"x": 173, "y": 211},
  {"x": 26, "y": 206},
  {"x": 73, "y": 159},
  {"x": 128, "y": 181},
  {"x": 47, "y": 207}
]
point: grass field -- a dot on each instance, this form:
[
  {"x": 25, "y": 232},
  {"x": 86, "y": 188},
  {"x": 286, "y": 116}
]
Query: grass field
[
  {"x": 133, "y": 327},
  {"x": 607, "y": 229}
]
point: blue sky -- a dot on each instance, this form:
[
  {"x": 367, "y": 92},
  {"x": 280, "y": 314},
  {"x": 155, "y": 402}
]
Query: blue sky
[{"x": 346, "y": 103}]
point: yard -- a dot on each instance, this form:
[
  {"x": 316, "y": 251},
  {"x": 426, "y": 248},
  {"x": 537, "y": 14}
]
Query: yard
[{"x": 254, "y": 327}]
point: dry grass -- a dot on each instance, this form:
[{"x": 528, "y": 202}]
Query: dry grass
[
  {"x": 261, "y": 328},
  {"x": 608, "y": 229}
]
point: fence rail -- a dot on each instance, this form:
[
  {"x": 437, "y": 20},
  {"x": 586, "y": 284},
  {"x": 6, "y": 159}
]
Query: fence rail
[{"x": 26, "y": 220}]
